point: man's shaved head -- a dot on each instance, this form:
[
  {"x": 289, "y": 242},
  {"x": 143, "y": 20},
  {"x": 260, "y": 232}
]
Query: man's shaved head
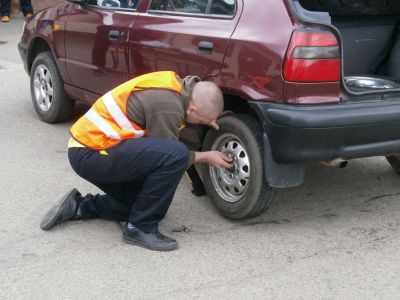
[{"x": 207, "y": 98}]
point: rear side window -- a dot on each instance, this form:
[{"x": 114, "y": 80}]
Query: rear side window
[
  {"x": 222, "y": 7},
  {"x": 215, "y": 7},
  {"x": 183, "y": 6},
  {"x": 114, "y": 3}
]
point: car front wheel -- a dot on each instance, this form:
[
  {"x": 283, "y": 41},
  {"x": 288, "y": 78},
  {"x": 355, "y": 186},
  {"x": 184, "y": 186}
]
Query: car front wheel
[
  {"x": 47, "y": 90},
  {"x": 242, "y": 191}
]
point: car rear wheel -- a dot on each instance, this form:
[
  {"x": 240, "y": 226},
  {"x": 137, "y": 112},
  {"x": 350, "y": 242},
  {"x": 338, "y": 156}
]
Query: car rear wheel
[
  {"x": 241, "y": 192},
  {"x": 394, "y": 161},
  {"x": 47, "y": 90}
]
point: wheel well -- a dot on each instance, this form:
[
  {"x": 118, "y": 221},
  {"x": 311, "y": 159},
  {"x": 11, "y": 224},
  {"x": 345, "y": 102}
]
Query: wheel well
[
  {"x": 232, "y": 103},
  {"x": 237, "y": 105},
  {"x": 37, "y": 46}
]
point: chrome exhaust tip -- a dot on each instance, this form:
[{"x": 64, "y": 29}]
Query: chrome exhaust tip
[{"x": 336, "y": 163}]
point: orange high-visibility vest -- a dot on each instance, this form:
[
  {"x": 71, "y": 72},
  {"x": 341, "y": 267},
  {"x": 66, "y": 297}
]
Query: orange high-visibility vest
[{"x": 106, "y": 123}]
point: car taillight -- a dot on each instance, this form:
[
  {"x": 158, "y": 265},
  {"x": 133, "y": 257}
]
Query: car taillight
[{"x": 313, "y": 56}]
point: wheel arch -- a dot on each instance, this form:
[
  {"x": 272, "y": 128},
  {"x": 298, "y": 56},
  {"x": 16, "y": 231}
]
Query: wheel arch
[
  {"x": 237, "y": 104},
  {"x": 36, "y": 46}
]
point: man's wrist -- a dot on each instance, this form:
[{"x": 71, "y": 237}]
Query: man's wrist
[{"x": 201, "y": 157}]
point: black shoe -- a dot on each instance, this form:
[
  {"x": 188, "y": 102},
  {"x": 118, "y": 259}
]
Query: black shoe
[
  {"x": 152, "y": 240},
  {"x": 66, "y": 209},
  {"x": 198, "y": 190}
]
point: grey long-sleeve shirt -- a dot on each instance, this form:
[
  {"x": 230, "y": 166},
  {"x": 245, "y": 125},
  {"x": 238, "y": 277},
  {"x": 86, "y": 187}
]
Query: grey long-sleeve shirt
[{"x": 161, "y": 112}]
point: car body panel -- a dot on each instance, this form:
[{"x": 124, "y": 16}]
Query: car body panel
[
  {"x": 256, "y": 52},
  {"x": 169, "y": 41},
  {"x": 96, "y": 59}
]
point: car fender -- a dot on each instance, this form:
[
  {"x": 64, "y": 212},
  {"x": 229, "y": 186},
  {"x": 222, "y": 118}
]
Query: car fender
[{"x": 47, "y": 34}]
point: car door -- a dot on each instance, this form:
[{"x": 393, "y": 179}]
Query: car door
[
  {"x": 96, "y": 44},
  {"x": 189, "y": 37}
]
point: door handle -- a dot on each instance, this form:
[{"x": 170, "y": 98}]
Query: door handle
[
  {"x": 114, "y": 35},
  {"x": 206, "y": 47}
]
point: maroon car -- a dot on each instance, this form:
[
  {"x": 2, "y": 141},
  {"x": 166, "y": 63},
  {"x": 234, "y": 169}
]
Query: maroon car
[{"x": 307, "y": 80}]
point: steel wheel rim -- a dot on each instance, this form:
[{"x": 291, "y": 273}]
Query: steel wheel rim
[
  {"x": 43, "y": 88},
  {"x": 231, "y": 185}
]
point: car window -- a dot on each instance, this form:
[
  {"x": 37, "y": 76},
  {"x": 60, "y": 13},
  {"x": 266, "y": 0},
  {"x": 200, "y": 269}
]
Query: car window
[
  {"x": 115, "y": 3},
  {"x": 222, "y": 7},
  {"x": 184, "y": 6}
]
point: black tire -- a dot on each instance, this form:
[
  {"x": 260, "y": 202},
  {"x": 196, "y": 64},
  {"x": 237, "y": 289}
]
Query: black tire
[
  {"x": 60, "y": 107},
  {"x": 394, "y": 161},
  {"x": 257, "y": 195}
]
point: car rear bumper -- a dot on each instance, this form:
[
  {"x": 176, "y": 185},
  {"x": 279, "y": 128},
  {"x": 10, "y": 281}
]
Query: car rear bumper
[
  {"x": 326, "y": 132},
  {"x": 23, "y": 50}
]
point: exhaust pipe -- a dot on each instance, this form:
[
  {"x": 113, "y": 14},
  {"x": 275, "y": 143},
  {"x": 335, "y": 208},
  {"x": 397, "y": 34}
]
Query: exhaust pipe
[{"x": 336, "y": 163}]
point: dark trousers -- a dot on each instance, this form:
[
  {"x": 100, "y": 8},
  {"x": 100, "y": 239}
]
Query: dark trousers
[
  {"x": 26, "y": 7},
  {"x": 139, "y": 177}
]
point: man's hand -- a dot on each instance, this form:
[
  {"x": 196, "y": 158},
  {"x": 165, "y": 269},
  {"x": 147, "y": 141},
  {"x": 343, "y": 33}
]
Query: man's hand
[
  {"x": 219, "y": 160},
  {"x": 214, "y": 158}
]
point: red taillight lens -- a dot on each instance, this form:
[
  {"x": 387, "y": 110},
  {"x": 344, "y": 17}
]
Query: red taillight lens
[{"x": 313, "y": 56}]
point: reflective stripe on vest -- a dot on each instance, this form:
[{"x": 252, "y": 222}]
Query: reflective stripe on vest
[
  {"x": 102, "y": 124},
  {"x": 119, "y": 116}
]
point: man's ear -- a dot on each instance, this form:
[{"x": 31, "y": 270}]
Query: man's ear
[{"x": 191, "y": 109}]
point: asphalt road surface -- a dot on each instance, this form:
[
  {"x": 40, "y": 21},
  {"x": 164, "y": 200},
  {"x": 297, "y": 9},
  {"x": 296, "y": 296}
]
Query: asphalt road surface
[{"x": 335, "y": 237}]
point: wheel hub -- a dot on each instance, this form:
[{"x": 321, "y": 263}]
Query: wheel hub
[
  {"x": 43, "y": 88},
  {"x": 231, "y": 184}
]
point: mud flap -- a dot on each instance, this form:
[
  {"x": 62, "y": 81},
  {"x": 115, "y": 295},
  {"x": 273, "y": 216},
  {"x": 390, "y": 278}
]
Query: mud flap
[{"x": 281, "y": 175}]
